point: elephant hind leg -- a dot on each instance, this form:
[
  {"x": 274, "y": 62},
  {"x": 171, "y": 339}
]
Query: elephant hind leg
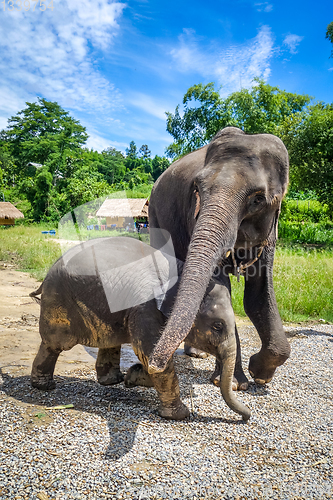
[
  {"x": 43, "y": 368},
  {"x": 108, "y": 366},
  {"x": 137, "y": 375}
]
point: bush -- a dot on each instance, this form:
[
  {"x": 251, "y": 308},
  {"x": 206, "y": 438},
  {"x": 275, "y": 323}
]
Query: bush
[{"x": 305, "y": 221}]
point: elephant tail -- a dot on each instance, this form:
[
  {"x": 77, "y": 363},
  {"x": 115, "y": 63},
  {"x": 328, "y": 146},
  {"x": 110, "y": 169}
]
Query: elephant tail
[{"x": 35, "y": 293}]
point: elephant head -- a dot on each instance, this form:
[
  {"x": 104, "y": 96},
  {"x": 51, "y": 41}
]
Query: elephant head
[{"x": 233, "y": 201}]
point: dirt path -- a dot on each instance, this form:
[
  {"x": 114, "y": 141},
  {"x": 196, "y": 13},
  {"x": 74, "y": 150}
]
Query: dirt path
[{"x": 19, "y": 337}]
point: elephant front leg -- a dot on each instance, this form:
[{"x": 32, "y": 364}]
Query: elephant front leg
[
  {"x": 43, "y": 368},
  {"x": 240, "y": 381},
  {"x": 167, "y": 387},
  {"x": 261, "y": 307},
  {"x": 108, "y": 366}
]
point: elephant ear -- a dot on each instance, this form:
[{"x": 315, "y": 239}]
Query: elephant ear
[{"x": 197, "y": 203}]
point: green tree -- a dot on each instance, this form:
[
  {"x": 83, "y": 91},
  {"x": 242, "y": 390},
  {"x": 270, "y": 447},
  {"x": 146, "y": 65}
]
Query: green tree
[
  {"x": 329, "y": 35},
  {"x": 37, "y": 191},
  {"x": 260, "y": 109},
  {"x": 309, "y": 140},
  {"x": 199, "y": 122},
  {"x": 159, "y": 164},
  {"x": 112, "y": 166},
  {"x": 7, "y": 164},
  {"x": 131, "y": 152},
  {"x": 41, "y": 130},
  {"x": 80, "y": 190},
  {"x": 144, "y": 151}
]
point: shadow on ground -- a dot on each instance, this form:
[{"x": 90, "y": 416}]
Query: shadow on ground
[{"x": 123, "y": 409}]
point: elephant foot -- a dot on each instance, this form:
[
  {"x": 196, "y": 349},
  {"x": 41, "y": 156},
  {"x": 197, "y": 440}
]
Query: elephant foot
[
  {"x": 239, "y": 382},
  {"x": 113, "y": 377},
  {"x": 193, "y": 352},
  {"x": 136, "y": 375},
  {"x": 175, "y": 412},
  {"x": 43, "y": 383},
  {"x": 263, "y": 364}
]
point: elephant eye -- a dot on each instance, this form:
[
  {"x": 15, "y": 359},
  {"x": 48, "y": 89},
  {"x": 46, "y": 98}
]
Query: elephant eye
[
  {"x": 217, "y": 327},
  {"x": 258, "y": 199},
  {"x": 257, "y": 202}
]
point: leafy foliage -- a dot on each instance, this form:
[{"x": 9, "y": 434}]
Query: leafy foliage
[
  {"x": 305, "y": 128},
  {"x": 42, "y": 132},
  {"x": 45, "y": 168},
  {"x": 261, "y": 109},
  {"x": 309, "y": 140}
]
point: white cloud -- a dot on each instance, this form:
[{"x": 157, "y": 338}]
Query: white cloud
[
  {"x": 234, "y": 66},
  {"x": 264, "y": 7},
  {"x": 148, "y": 104},
  {"x": 99, "y": 143},
  {"x": 292, "y": 41},
  {"x": 50, "y": 54}
]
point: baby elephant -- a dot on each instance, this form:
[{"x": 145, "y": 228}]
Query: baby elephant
[{"x": 112, "y": 291}]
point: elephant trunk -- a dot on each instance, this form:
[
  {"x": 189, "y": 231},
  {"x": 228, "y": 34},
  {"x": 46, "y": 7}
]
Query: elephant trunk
[
  {"x": 214, "y": 234},
  {"x": 228, "y": 356}
]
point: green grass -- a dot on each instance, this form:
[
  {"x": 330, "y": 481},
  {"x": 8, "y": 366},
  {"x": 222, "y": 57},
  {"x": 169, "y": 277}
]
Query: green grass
[
  {"x": 28, "y": 249},
  {"x": 303, "y": 283},
  {"x": 70, "y": 232}
]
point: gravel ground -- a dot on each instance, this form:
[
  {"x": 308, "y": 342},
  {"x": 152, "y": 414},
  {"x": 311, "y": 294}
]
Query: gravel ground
[{"x": 113, "y": 445}]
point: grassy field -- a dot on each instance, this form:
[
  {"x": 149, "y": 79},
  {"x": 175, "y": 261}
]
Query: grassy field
[
  {"x": 303, "y": 276},
  {"x": 303, "y": 283},
  {"x": 29, "y": 250}
]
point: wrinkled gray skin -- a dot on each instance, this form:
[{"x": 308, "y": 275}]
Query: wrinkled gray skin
[
  {"x": 100, "y": 276},
  {"x": 226, "y": 195}
]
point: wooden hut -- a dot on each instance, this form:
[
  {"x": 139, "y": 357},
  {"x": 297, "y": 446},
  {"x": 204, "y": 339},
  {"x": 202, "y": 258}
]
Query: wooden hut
[
  {"x": 8, "y": 214},
  {"x": 122, "y": 211}
]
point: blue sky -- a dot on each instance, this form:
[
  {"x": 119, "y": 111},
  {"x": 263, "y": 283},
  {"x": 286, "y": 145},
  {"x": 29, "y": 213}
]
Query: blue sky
[{"x": 118, "y": 66}]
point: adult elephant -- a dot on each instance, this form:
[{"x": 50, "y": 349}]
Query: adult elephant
[{"x": 221, "y": 205}]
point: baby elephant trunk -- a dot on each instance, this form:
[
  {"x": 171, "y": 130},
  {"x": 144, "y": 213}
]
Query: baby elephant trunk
[{"x": 228, "y": 356}]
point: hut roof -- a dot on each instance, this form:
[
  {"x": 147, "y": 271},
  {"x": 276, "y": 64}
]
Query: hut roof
[
  {"x": 124, "y": 207},
  {"x": 8, "y": 211}
]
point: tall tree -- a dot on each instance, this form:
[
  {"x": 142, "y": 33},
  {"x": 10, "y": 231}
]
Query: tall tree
[
  {"x": 159, "y": 164},
  {"x": 309, "y": 140},
  {"x": 144, "y": 151},
  {"x": 131, "y": 152},
  {"x": 260, "y": 109},
  {"x": 113, "y": 166},
  {"x": 40, "y": 132}
]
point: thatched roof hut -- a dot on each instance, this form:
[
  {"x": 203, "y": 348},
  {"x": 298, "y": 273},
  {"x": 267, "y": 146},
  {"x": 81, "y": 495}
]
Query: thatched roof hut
[
  {"x": 8, "y": 213},
  {"x": 124, "y": 207},
  {"x": 118, "y": 210}
]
